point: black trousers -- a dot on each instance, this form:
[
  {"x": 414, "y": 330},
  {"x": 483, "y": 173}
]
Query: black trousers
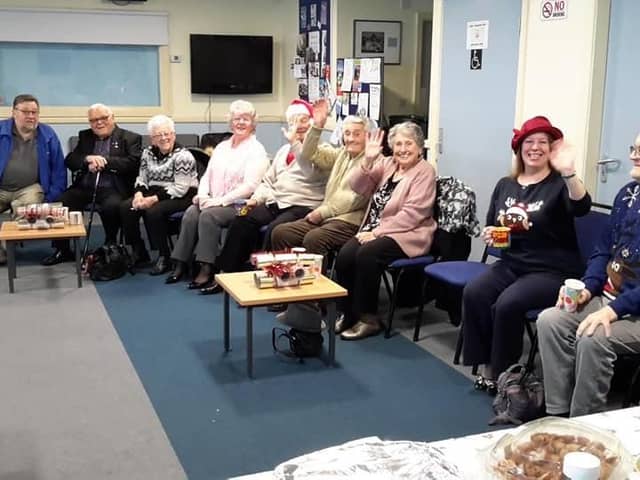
[
  {"x": 243, "y": 237},
  {"x": 108, "y": 202},
  {"x": 359, "y": 269},
  {"x": 156, "y": 220},
  {"x": 493, "y": 313}
]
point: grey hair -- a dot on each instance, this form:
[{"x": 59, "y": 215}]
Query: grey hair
[
  {"x": 158, "y": 121},
  {"x": 368, "y": 124},
  {"x": 242, "y": 107},
  {"x": 100, "y": 106},
  {"x": 409, "y": 129}
]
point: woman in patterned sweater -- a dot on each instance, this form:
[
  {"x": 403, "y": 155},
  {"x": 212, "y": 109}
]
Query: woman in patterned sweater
[{"x": 166, "y": 183}]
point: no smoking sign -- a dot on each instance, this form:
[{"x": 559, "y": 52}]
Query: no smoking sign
[{"x": 554, "y": 9}]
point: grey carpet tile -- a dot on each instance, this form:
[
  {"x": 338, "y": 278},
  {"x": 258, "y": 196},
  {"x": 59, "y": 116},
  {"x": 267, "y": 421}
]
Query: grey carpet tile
[{"x": 72, "y": 406}]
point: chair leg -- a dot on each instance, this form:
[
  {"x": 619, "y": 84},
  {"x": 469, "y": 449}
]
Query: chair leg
[
  {"x": 456, "y": 355},
  {"x": 393, "y": 299},
  {"x": 418, "y": 323},
  {"x": 635, "y": 384}
]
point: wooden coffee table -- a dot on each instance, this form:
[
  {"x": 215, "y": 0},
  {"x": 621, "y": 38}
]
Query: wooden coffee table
[
  {"x": 242, "y": 288},
  {"x": 10, "y": 233}
]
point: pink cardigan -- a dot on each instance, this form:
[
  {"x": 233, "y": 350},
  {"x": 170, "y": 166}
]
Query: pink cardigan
[{"x": 408, "y": 215}]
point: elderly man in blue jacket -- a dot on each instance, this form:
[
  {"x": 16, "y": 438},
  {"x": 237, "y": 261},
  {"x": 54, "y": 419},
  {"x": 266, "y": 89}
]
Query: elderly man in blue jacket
[
  {"x": 578, "y": 349},
  {"x": 32, "y": 166}
]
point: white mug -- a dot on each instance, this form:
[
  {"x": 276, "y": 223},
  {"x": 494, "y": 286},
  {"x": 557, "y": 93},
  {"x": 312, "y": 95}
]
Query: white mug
[{"x": 75, "y": 218}]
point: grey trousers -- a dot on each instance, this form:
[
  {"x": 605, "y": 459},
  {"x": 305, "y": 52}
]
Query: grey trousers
[
  {"x": 200, "y": 233},
  {"x": 578, "y": 370}
]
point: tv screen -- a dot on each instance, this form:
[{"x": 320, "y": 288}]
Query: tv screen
[{"x": 231, "y": 64}]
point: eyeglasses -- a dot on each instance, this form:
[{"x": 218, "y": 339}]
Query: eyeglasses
[
  {"x": 633, "y": 150},
  {"x": 99, "y": 119},
  {"x": 241, "y": 118},
  {"x": 27, "y": 112},
  {"x": 158, "y": 136}
]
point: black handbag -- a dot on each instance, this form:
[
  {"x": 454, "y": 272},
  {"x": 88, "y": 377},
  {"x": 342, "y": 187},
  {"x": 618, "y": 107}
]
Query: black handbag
[
  {"x": 520, "y": 396},
  {"x": 108, "y": 263}
]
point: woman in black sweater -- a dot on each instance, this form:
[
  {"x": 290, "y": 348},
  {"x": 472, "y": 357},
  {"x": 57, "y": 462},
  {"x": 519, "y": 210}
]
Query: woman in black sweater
[{"x": 538, "y": 201}]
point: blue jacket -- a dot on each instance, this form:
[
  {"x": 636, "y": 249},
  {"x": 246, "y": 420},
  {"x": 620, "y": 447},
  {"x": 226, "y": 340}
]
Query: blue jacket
[
  {"x": 52, "y": 173},
  {"x": 614, "y": 264}
]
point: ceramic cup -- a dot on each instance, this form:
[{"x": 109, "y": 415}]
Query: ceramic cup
[
  {"x": 572, "y": 289},
  {"x": 501, "y": 237}
]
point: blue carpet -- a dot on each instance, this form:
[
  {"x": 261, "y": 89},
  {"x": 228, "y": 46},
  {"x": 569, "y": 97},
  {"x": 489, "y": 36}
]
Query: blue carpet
[{"x": 223, "y": 424}]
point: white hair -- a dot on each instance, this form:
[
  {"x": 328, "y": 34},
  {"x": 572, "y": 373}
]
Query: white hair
[
  {"x": 368, "y": 124},
  {"x": 158, "y": 121},
  {"x": 100, "y": 106},
  {"x": 241, "y": 107}
]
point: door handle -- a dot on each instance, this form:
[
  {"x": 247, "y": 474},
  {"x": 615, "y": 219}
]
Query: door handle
[{"x": 606, "y": 165}]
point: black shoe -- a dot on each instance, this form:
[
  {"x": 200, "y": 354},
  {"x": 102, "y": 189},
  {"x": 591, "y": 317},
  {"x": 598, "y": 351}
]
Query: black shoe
[
  {"x": 492, "y": 387},
  {"x": 141, "y": 257},
  {"x": 211, "y": 289},
  {"x": 58, "y": 256},
  {"x": 479, "y": 384},
  {"x": 163, "y": 265},
  {"x": 177, "y": 273},
  {"x": 193, "y": 285}
]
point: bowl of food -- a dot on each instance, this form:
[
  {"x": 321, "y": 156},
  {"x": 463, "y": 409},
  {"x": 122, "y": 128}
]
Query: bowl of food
[{"x": 537, "y": 451}]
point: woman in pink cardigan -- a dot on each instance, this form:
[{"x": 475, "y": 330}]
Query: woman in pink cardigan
[{"x": 398, "y": 224}]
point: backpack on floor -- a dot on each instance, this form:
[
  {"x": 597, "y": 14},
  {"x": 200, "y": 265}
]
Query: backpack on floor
[
  {"x": 520, "y": 396},
  {"x": 298, "y": 343},
  {"x": 108, "y": 263}
]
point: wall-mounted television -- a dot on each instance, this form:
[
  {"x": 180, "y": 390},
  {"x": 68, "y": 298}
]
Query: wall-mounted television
[{"x": 231, "y": 64}]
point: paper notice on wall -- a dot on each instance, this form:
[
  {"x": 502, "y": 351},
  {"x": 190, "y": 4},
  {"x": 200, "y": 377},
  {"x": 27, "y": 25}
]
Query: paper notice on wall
[
  {"x": 374, "y": 101},
  {"x": 347, "y": 76},
  {"x": 363, "y": 104},
  {"x": 345, "y": 104},
  {"x": 370, "y": 70},
  {"x": 354, "y": 99},
  {"x": 478, "y": 35},
  {"x": 314, "y": 89}
]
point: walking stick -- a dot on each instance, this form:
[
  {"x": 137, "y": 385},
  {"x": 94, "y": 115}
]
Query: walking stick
[{"x": 91, "y": 213}]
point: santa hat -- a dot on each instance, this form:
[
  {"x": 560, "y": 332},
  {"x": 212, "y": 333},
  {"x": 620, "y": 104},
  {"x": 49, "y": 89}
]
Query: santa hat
[
  {"x": 298, "y": 107},
  {"x": 519, "y": 208}
]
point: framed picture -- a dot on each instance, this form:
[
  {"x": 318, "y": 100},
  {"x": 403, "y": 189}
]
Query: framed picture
[{"x": 378, "y": 38}]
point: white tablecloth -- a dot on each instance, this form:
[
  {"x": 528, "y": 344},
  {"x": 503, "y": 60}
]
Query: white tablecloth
[{"x": 624, "y": 422}]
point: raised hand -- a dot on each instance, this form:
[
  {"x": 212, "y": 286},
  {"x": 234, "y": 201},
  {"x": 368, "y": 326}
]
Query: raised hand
[
  {"x": 373, "y": 146},
  {"x": 320, "y": 112},
  {"x": 563, "y": 157}
]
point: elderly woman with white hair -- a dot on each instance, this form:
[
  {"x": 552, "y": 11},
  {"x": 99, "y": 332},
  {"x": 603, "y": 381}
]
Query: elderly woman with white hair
[
  {"x": 235, "y": 169},
  {"x": 166, "y": 183},
  {"x": 399, "y": 223}
]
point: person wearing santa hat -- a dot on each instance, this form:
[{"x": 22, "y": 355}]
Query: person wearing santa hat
[
  {"x": 288, "y": 192},
  {"x": 538, "y": 202}
]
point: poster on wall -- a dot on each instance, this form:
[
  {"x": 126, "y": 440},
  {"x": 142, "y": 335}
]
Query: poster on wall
[
  {"x": 359, "y": 82},
  {"x": 313, "y": 74}
]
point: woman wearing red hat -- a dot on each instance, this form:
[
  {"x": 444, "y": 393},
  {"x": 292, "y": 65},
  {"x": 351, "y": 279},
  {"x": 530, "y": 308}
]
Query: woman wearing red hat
[{"x": 538, "y": 202}]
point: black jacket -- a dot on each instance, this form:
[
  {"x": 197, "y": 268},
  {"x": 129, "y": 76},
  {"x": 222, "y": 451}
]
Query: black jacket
[{"x": 123, "y": 161}]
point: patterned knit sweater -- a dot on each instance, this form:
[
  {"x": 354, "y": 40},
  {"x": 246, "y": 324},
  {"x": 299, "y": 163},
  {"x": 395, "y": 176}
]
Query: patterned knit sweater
[{"x": 167, "y": 176}]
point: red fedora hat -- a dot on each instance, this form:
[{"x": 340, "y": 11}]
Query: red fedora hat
[{"x": 534, "y": 125}]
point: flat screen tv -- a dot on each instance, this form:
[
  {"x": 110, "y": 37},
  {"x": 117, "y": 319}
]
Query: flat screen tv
[{"x": 231, "y": 64}]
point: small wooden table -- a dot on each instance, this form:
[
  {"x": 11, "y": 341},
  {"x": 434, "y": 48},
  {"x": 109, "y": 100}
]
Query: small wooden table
[
  {"x": 10, "y": 233},
  {"x": 242, "y": 288}
]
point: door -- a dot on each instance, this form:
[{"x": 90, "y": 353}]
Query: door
[
  {"x": 621, "y": 121},
  {"x": 477, "y": 107}
]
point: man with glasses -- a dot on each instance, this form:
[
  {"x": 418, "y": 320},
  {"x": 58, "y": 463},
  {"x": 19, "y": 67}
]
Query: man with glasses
[
  {"x": 31, "y": 162},
  {"x": 115, "y": 153}
]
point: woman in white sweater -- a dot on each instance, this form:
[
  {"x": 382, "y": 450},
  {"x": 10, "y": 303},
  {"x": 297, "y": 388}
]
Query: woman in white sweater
[{"x": 235, "y": 169}]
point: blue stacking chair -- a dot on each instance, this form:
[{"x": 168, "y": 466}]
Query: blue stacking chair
[
  {"x": 458, "y": 274},
  {"x": 452, "y": 241}
]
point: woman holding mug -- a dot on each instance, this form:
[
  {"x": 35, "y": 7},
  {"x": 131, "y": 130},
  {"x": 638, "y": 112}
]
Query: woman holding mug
[{"x": 538, "y": 202}]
